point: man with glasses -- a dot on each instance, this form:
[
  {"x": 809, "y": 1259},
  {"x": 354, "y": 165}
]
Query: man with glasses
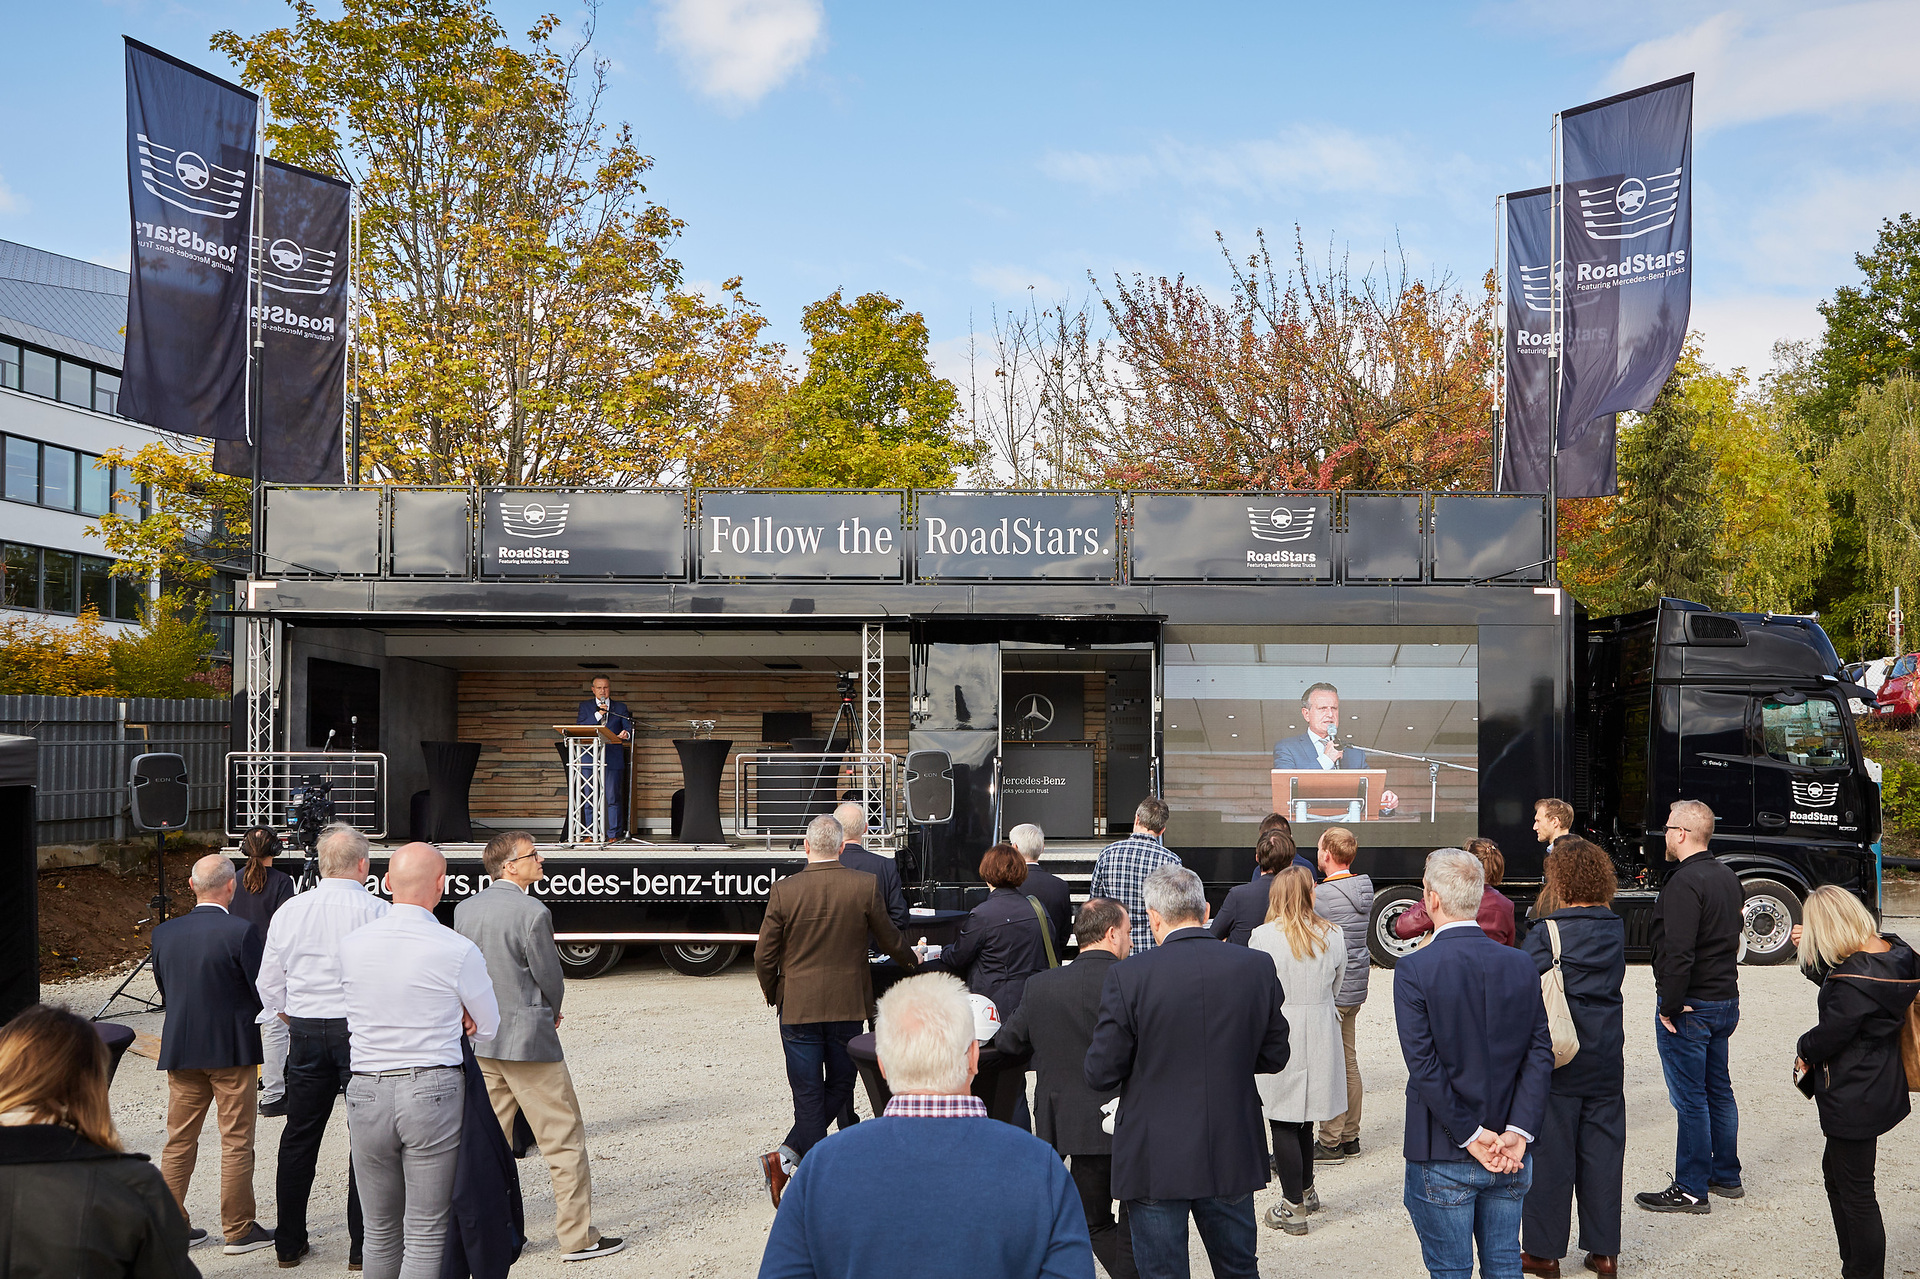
[
  {"x": 1696, "y": 964},
  {"x": 522, "y": 1064}
]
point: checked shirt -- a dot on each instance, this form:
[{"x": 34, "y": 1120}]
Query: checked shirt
[{"x": 1123, "y": 866}]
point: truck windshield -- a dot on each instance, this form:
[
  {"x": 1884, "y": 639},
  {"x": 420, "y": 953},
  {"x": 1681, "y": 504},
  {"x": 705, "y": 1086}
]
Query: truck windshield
[{"x": 1810, "y": 733}]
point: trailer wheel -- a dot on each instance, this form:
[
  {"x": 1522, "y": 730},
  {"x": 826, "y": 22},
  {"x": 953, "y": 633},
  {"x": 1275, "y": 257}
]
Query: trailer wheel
[
  {"x": 1389, "y": 905},
  {"x": 697, "y": 959},
  {"x": 1771, "y": 910},
  {"x": 583, "y": 959}
]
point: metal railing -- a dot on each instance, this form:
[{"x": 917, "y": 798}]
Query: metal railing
[
  {"x": 262, "y": 787},
  {"x": 776, "y": 793}
]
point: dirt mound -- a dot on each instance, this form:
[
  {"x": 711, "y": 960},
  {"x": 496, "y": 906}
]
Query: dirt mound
[{"x": 89, "y": 915}]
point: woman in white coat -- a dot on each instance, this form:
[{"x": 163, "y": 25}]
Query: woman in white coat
[{"x": 1310, "y": 955}]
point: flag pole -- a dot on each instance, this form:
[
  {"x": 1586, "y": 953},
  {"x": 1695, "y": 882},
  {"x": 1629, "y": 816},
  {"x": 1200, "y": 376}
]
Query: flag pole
[
  {"x": 256, "y": 338},
  {"x": 1556, "y": 348},
  {"x": 350, "y": 405}
]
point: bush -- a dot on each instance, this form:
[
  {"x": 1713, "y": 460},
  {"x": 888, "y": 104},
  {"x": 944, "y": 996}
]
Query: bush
[
  {"x": 169, "y": 656},
  {"x": 1899, "y": 756}
]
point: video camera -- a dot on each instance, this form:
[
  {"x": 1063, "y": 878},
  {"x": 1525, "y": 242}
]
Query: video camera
[{"x": 311, "y": 810}]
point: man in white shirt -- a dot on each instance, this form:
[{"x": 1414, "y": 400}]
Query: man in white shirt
[
  {"x": 300, "y": 983},
  {"x": 414, "y": 987}
]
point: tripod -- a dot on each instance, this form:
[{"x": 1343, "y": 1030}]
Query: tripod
[{"x": 158, "y": 905}]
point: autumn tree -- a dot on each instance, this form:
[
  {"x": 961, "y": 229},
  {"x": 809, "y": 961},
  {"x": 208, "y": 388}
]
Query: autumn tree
[
  {"x": 1030, "y": 397},
  {"x": 523, "y": 320},
  {"x": 202, "y": 524}
]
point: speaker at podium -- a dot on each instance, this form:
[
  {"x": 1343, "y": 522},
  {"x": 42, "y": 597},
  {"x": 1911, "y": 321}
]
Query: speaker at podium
[{"x": 1321, "y": 795}]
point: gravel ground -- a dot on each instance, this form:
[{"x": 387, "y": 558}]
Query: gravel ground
[{"x": 682, "y": 1084}]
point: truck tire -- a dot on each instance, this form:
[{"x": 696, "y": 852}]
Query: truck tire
[
  {"x": 698, "y": 959},
  {"x": 1771, "y": 909},
  {"x": 583, "y": 959},
  {"x": 1388, "y": 905}
]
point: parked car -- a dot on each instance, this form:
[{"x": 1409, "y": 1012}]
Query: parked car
[{"x": 1900, "y": 694}]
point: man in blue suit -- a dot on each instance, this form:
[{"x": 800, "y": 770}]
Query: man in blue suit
[
  {"x": 1319, "y": 746},
  {"x": 1473, "y": 1031},
  {"x": 602, "y": 710}
]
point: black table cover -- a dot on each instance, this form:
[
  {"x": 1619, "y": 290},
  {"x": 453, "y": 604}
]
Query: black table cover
[{"x": 702, "y": 761}]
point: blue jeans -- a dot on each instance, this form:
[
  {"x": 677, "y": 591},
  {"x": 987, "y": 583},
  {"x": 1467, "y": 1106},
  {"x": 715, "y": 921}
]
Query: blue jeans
[
  {"x": 1456, "y": 1204},
  {"x": 821, "y": 1075},
  {"x": 1227, "y": 1229},
  {"x": 1693, "y": 1056}
]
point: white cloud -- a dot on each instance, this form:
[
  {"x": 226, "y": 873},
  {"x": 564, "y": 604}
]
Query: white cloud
[
  {"x": 1837, "y": 60},
  {"x": 738, "y": 51},
  {"x": 1010, "y": 281},
  {"x": 1739, "y": 331},
  {"x": 1299, "y": 159}
]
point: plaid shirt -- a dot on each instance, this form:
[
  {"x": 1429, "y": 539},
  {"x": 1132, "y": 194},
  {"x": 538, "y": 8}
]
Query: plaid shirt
[
  {"x": 1123, "y": 866},
  {"x": 923, "y": 1106}
]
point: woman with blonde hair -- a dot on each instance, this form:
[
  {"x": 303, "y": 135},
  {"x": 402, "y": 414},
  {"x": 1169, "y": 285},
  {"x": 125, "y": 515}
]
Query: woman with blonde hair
[
  {"x": 1868, "y": 982},
  {"x": 1310, "y": 956},
  {"x": 76, "y": 1204}
]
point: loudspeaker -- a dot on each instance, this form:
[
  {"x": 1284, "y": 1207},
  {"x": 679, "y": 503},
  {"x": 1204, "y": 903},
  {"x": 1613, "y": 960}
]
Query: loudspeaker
[
  {"x": 929, "y": 787},
  {"x": 159, "y": 792}
]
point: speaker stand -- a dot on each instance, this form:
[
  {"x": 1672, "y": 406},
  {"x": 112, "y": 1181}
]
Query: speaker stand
[{"x": 158, "y": 905}]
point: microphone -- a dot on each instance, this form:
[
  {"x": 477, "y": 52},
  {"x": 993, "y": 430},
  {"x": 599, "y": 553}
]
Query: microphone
[{"x": 328, "y": 744}]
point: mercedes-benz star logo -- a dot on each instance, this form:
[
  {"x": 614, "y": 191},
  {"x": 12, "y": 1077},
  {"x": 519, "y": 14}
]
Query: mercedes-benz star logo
[{"x": 1033, "y": 713}]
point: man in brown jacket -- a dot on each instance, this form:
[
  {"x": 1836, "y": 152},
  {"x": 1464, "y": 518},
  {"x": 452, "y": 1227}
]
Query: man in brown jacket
[{"x": 812, "y": 963}]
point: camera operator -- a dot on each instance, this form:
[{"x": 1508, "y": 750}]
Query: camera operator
[{"x": 300, "y": 982}]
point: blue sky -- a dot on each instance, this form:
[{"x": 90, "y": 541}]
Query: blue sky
[{"x": 955, "y": 155}]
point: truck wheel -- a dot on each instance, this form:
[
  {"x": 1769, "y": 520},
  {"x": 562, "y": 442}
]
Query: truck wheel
[
  {"x": 696, "y": 959},
  {"x": 1388, "y": 906},
  {"x": 582, "y": 959},
  {"x": 1771, "y": 910}
]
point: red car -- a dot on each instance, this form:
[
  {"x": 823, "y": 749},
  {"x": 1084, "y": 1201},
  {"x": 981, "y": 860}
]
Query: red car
[{"x": 1900, "y": 695}]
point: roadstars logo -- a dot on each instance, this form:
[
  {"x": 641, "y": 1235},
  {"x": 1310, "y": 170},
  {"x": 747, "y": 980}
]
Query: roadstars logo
[
  {"x": 188, "y": 181},
  {"x": 1816, "y": 794},
  {"x": 1634, "y": 208},
  {"x": 1536, "y": 287},
  {"x": 531, "y": 519},
  {"x": 1281, "y": 524},
  {"x": 287, "y": 267}
]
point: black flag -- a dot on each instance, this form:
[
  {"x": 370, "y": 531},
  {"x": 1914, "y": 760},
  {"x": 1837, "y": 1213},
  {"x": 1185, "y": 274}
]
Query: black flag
[
  {"x": 190, "y": 166},
  {"x": 1626, "y": 236},
  {"x": 303, "y": 326},
  {"x": 1529, "y": 337}
]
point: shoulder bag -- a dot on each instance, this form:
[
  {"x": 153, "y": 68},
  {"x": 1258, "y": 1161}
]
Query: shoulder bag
[
  {"x": 1553, "y": 992},
  {"x": 1046, "y": 930}
]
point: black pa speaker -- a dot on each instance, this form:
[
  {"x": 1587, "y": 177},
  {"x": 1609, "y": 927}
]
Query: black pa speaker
[
  {"x": 929, "y": 787},
  {"x": 159, "y": 792}
]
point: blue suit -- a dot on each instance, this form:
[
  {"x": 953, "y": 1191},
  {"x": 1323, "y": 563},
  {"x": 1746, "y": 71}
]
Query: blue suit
[
  {"x": 205, "y": 964},
  {"x": 1297, "y": 752},
  {"x": 619, "y": 721}
]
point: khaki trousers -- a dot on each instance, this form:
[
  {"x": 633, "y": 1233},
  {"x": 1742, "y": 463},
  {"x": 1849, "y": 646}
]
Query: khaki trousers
[
  {"x": 232, "y": 1092},
  {"x": 1341, "y": 1129},
  {"x": 543, "y": 1092}
]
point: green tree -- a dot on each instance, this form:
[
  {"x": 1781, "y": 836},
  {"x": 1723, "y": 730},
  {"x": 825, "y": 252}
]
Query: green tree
[
  {"x": 1875, "y": 470},
  {"x": 170, "y": 654},
  {"x": 200, "y": 524},
  {"x": 1873, "y": 329}
]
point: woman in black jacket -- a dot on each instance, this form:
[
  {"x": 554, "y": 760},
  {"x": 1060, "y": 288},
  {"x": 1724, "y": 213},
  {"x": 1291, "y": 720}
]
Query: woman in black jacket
[
  {"x": 1245, "y": 908},
  {"x": 1004, "y": 941},
  {"x": 1581, "y": 1151},
  {"x": 71, "y": 1201},
  {"x": 1870, "y": 981}
]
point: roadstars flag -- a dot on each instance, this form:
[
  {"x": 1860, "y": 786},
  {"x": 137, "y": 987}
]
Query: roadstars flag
[
  {"x": 190, "y": 166},
  {"x": 1626, "y": 227}
]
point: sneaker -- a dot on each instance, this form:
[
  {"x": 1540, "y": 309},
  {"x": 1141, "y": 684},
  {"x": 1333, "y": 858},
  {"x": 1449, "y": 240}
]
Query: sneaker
[
  {"x": 274, "y": 1109},
  {"x": 1290, "y": 1217},
  {"x": 1672, "y": 1199},
  {"x": 1350, "y": 1148},
  {"x": 1311, "y": 1201},
  {"x": 256, "y": 1238},
  {"x": 1329, "y": 1154},
  {"x": 1727, "y": 1192},
  {"x": 606, "y": 1247},
  {"x": 195, "y": 1236}
]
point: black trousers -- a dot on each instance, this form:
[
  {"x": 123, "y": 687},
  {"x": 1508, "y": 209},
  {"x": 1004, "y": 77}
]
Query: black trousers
[
  {"x": 1847, "y": 1168},
  {"x": 1580, "y": 1153},
  {"x": 1293, "y": 1157},
  {"x": 1112, "y": 1240},
  {"x": 317, "y": 1070}
]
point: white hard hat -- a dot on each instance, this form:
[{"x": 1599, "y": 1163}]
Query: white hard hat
[{"x": 986, "y": 1017}]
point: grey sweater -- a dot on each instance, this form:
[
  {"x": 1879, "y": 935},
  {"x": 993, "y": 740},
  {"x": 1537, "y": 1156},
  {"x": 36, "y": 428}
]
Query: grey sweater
[{"x": 1348, "y": 902}]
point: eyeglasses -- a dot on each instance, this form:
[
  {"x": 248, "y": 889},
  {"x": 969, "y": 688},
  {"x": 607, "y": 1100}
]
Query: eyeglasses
[
  {"x": 522, "y": 857},
  {"x": 1684, "y": 830}
]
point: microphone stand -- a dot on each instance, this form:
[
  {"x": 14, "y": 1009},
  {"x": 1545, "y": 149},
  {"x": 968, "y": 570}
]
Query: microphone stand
[{"x": 1433, "y": 774}]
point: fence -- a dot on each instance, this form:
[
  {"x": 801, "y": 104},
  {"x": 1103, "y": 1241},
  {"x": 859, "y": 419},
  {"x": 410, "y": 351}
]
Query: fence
[{"x": 86, "y": 743}]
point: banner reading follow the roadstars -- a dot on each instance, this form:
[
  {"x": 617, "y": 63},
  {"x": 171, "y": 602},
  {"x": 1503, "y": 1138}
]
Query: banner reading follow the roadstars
[
  {"x": 303, "y": 330},
  {"x": 190, "y": 167},
  {"x": 1526, "y": 417},
  {"x": 1627, "y": 237}
]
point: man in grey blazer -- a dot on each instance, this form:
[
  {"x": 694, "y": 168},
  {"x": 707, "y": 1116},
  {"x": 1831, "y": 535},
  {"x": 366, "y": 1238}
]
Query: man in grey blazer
[{"x": 523, "y": 1065}]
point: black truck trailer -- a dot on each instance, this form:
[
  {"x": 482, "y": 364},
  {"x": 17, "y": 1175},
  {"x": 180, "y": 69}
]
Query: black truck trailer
[{"x": 965, "y": 662}]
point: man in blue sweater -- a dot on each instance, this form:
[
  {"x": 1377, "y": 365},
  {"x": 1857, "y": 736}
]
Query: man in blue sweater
[{"x": 933, "y": 1188}]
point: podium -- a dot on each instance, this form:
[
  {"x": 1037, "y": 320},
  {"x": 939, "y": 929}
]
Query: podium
[
  {"x": 1323, "y": 795},
  {"x": 586, "y": 747}
]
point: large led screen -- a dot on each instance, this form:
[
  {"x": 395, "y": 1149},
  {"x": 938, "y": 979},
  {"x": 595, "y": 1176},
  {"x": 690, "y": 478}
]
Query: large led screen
[{"x": 1375, "y": 728}]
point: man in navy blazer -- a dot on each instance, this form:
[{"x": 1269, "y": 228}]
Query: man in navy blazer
[
  {"x": 1183, "y": 1029},
  {"x": 602, "y": 710},
  {"x": 205, "y": 964},
  {"x": 1473, "y": 1031},
  {"x": 1319, "y": 746}
]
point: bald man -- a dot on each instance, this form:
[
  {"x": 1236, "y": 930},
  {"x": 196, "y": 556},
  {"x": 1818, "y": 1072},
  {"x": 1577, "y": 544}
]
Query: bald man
[
  {"x": 414, "y": 987},
  {"x": 205, "y": 964}
]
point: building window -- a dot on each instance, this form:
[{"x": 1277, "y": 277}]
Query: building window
[
  {"x": 23, "y": 470},
  {"x": 40, "y": 373},
  {"x": 57, "y": 478},
  {"x": 21, "y": 587},
  {"x": 65, "y": 582},
  {"x": 57, "y": 574},
  {"x": 106, "y": 391},
  {"x": 129, "y": 498},
  {"x": 9, "y": 365},
  {"x": 96, "y": 485},
  {"x": 96, "y": 584},
  {"x": 22, "y": 368},
  {"x": 76, "y": 384},
  {"x": 49, "y": 475},
  {"x": 127, "y": 600}
]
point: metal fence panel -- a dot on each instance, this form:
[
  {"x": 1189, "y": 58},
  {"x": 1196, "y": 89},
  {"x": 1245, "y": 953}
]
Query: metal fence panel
[{"x": 85, "y": 746}]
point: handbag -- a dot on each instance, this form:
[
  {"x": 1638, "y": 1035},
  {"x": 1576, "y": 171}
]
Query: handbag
[
  {"x": 1553, "y": 993},
  {"x": 1046, "y": 930},
  {"x": 1909, "y": 1029}
]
